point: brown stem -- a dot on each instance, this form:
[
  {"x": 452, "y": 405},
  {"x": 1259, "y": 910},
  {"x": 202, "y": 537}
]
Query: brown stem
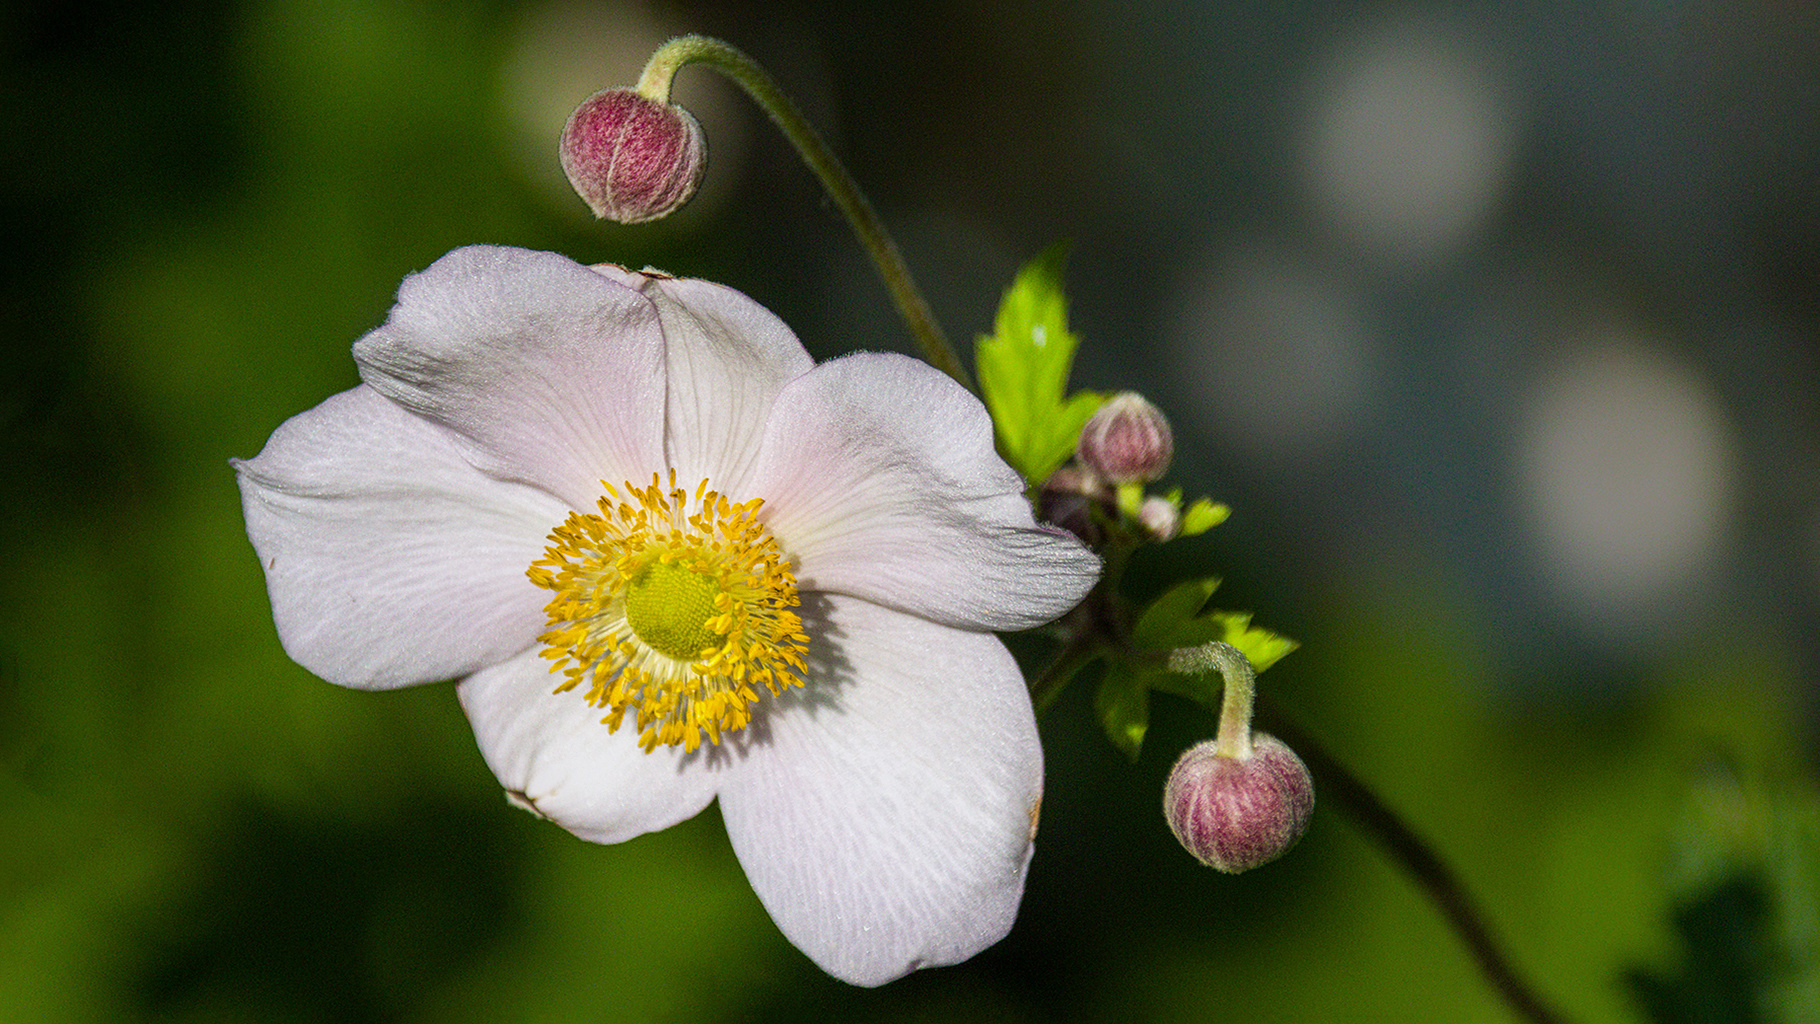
[{"x": 1334, "y": 781}]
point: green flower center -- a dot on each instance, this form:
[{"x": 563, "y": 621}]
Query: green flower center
[
  {"x": 679, "y": 609},
  {"x": 669, "y": 606}
]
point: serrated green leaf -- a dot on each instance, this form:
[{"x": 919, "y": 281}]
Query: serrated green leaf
[
  {"x": 1206, "y": 690},
  {"x": 1023, "y": 369},
  {"x": 1261, "y": 646},
  {"x": 1175, "y": 620},
  {"x": 1054, "y": 443},
  {"x": 1202, "y": 516},
  {"x": 1122, "y": 703},
  {"x": 1160, "y": 623}
]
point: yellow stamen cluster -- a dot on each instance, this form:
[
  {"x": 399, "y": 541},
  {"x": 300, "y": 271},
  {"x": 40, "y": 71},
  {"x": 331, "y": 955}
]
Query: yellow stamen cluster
[{"x": 679, "y": 607}]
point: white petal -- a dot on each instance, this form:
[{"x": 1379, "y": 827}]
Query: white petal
[
  {"x": 727, "y": 358},
  {"x": 880, "y": 477},
  {"x": 885, "y": 815},
  {"x": 552, "y": 753},
  {"x": 551, "y": 373},
  {"x": 390, "y": 559}
]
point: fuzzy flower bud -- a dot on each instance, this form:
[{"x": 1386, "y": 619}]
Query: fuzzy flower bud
[
  {"x": 1234, "y": 813},
  {"x": 1068, "y": 499},
  {"x": 1127, "y": 441},
  {"x": 631, "y": 158},
  {"x": 1160, "y": 518}
]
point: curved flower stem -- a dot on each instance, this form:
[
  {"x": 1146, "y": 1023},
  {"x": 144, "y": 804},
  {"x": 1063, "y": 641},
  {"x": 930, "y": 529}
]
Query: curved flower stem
[
  {"x": 1054, "y": 678},
  {"x": 1237, "y": 687},
  {"x": 1100, "y": 627},
  {"x": 1430, "y": 872},
  {"x": 1096, "y": 627},
  {"x": 747, "y": 74}
]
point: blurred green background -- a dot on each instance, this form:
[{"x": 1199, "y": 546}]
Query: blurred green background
[{"x": 1495, "y": 323}]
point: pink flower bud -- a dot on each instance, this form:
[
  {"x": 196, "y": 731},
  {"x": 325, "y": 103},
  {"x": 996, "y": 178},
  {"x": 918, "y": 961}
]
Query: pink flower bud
[
  {"x": 630, "y": 158},
  {"x": 1160, "y": 518},
  {"x": 1235, "y": 814},
  {"x": 1069, "y": 498},
  {"x": 1127, "y": 440}
]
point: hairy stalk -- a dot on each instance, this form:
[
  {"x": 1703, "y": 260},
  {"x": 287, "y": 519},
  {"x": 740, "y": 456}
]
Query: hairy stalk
[
  {"x": 1098, "y": 629},
  {"x": 1238, "y": 685},
  {"x": 747, "y": 74}
]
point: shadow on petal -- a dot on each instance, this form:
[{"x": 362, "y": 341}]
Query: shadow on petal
[{"x": 830, "y": 672}]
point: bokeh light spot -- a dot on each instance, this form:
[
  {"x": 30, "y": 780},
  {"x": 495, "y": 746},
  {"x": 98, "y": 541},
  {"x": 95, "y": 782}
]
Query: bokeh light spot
[{"x": 1626, "y": 472}]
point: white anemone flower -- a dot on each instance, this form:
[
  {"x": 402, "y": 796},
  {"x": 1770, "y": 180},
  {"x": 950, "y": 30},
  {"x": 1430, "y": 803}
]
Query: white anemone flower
[{"x": 671, "y": 559}]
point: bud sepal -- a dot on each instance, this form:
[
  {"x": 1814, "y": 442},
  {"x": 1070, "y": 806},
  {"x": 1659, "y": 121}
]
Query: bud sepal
[
  {"x": 1235, "y": 813},
  {"x": 631, "y": 158},
  {"x": 1127, "y": 441}
]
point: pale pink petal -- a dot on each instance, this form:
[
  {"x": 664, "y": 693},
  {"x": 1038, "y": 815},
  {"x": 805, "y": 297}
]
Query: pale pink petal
[
  {"x": 553, "y": 755},
  {"x": 885, "y": 814},
  {"x": 551, "y": 373},
  {"x": 880, "y": 477},
  {"x": 726, "y": 358},
  {"x": 390, "y": 559}
]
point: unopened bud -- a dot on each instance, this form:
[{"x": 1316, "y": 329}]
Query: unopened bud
[
  {"x": 1160, "y": 518},
  {"x": 1068, "y": 499},
  {"x": 631, "y": 158},
  {"x": 1233, "y": 813},
  {"x": 1127, "y": 440}
]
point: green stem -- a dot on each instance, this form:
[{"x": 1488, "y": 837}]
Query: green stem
[
  {"x": 1095, "y": 628},
  {"x": 1050, "y": 683},
  {"x": 1239, "y": 685},
  {"x": 747, "y": 74}
]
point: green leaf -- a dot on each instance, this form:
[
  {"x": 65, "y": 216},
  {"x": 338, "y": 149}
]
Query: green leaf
[
  {"x": 1202, "y": 516},
  {"x": 1023, "y": 370},
  {"x": 1261, "y": 646},
  {"x": 1175, "y": 620},
  {"x": 1122, "y": 703},
  {"x": 1206, "y": 690},
  {"x": 1162, "y": 623}
]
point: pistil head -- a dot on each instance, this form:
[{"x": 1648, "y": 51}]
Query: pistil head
[
  {"x": 669, "y": 606},
  {"x": 676, "y": 607}
]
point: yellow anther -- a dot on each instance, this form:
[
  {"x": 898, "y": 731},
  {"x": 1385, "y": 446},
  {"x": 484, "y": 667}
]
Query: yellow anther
[{"x": 666, "y": 604}]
